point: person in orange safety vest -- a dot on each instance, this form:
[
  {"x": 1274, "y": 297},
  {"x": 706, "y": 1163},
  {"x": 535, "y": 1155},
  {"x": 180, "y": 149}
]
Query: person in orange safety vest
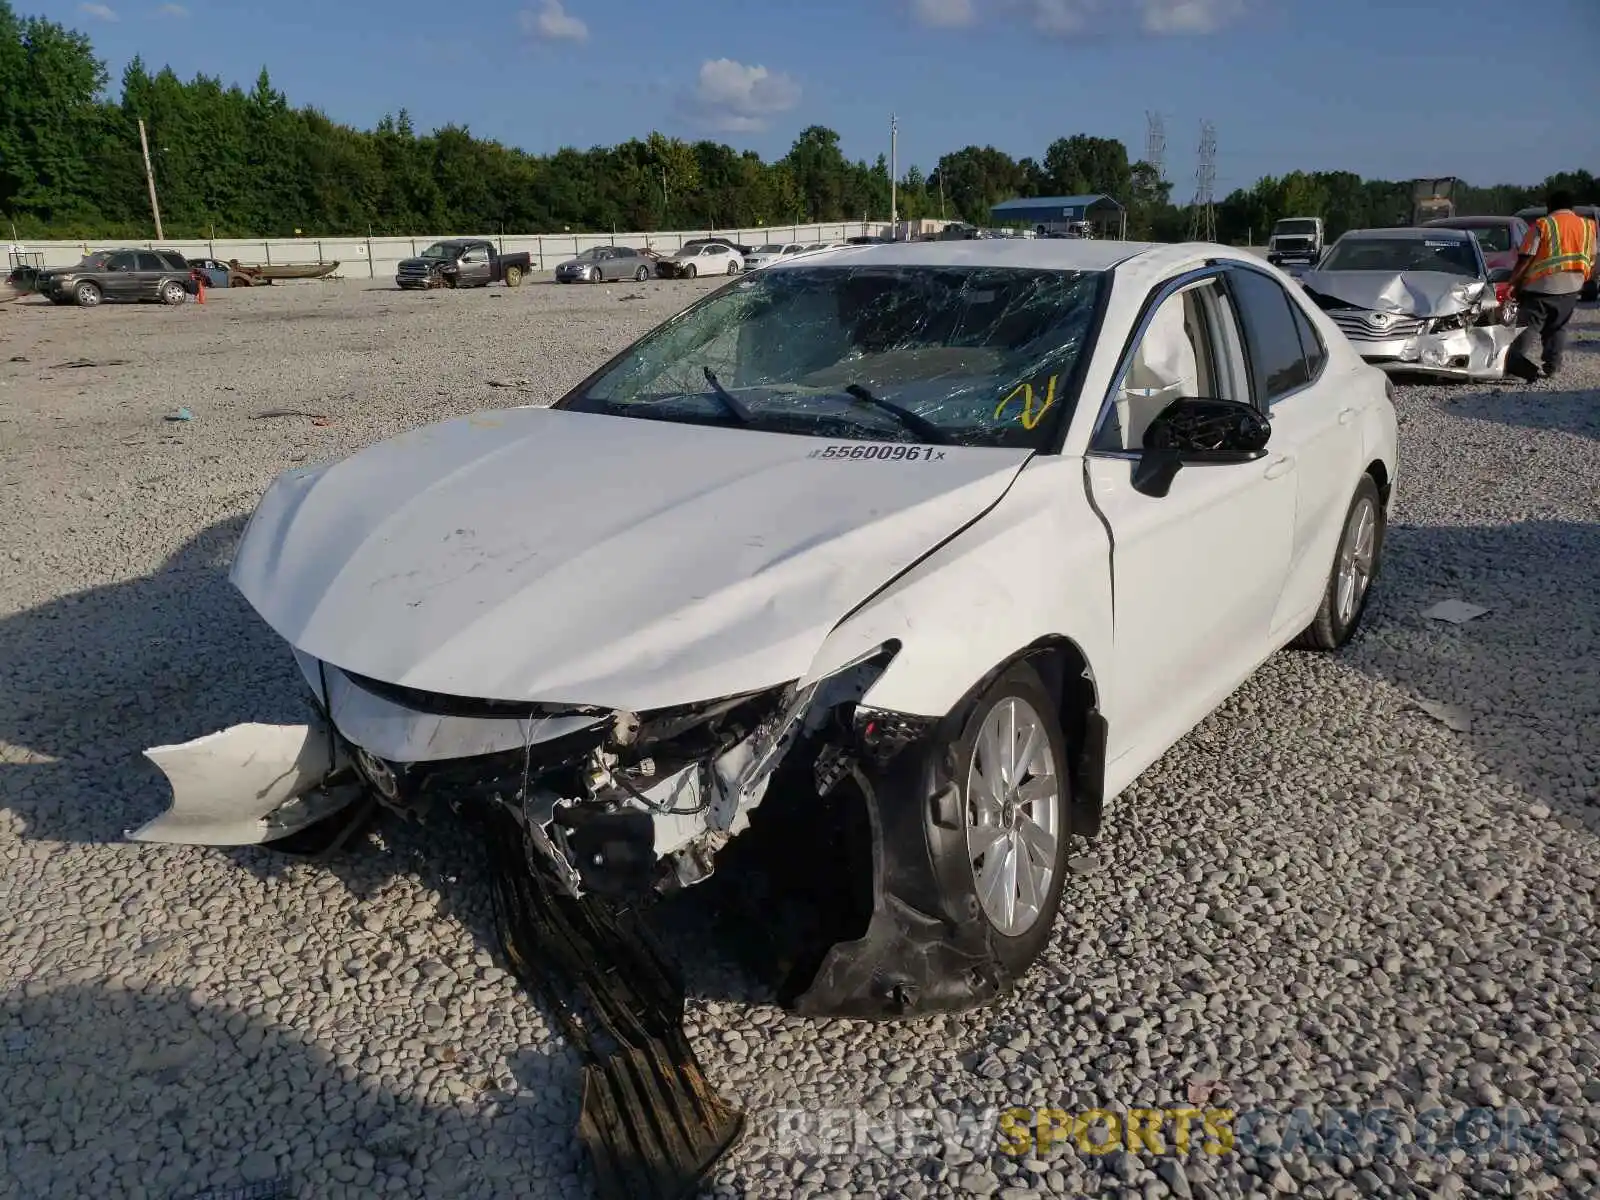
[{"x": 1553, "y": 263}]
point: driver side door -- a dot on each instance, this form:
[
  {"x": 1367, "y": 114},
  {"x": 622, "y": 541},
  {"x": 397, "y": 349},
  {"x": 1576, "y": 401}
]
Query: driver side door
[
  {"x": 1196, "y": 573},
  {"x": 475, "y": 266}
]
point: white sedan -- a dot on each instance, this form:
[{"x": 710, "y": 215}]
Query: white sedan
[
  {"x": 773, "y": 252},
  {"x": 912, "y": 555}
]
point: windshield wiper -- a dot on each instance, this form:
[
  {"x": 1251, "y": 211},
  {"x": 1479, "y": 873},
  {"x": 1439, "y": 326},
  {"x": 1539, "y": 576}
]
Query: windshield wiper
[
  {"x": 729, "y": 401},
  {"x": 923, "y": 428}
]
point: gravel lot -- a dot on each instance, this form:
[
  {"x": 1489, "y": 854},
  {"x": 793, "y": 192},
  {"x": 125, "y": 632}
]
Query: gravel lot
[{"x": 1324, "y": 897}]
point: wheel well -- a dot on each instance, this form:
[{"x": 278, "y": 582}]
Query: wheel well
[
  {"x": 1380, "y": 476},
  {"x": 1069, "y": 679}
]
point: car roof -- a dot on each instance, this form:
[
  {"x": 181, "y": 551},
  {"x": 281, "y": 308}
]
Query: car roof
[
  {"x": 1410, "y": 233},
  {"x": 1478, "y": 222},
  {"x": 1067, "y": 255}
]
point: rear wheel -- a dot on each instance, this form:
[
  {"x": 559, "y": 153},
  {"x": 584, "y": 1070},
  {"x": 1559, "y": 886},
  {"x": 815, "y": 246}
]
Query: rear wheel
[
  {"x": 513, "y": 276},
  {"x": 1355, "y": 565},
  {"x": 1011, "y": 764},
  {"x": 733, "y": 268},
  {"x": 87, "y": 294}
]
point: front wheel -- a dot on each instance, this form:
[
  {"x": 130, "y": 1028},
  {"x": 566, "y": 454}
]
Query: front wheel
[
  {"x": 1011, "y": 764},
  {"x": 87, "y": 294},
  {"x": 172, "y": 292},
  {"x": 1355, "y": 566},
  {"x": 641, "y": 275},
  {"x": 689, "y": 272}
]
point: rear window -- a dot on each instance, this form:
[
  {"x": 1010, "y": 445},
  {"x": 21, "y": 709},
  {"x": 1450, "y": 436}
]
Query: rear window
[
  {"x": 174, "y": 260},
  {"x": 1495, "y": 239}
]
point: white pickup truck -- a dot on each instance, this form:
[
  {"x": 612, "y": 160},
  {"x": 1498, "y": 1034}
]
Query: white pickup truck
[{"x": 1295, "y": 240}]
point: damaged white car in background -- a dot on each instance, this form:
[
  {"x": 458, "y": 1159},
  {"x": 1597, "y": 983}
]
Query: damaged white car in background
[
  {"x": 1417, "y": 300},
  {"x": 907, "y": 555}
]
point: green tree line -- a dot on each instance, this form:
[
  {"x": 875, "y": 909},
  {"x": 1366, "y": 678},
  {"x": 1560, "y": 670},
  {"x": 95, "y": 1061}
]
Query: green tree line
[{"x": 231, "y": 162}]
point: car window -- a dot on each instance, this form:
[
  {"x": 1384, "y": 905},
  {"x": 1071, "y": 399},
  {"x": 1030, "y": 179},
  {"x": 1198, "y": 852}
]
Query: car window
[
  {"x": 121, "y": 262},
  {"x": 1452, "y": 255},
  {"x": 1312, "y": 346},
  {"x": 986, "y": 354},
  {"x": 716, "y": 250},
  {"x": 151, "y": 262},
  {"x": 173, "y": 260},
  {"x": 1277, "y": 363},
  {"x": 1176, "y": 358}
]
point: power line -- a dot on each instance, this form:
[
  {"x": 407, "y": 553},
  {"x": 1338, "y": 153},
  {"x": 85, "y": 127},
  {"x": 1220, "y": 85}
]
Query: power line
[
  {"x": 1155, "y": 143},
  {"x": 1202, "y": 211}
]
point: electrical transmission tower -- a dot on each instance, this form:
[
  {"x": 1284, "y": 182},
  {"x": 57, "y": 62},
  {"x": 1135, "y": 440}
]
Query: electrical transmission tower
[
  {"x": 1202, "y": 212},
  {"x": 1155, "y": 143}
]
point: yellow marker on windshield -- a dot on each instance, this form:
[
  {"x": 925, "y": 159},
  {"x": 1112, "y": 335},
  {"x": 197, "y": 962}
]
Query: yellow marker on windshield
[{"x": 1030, "y": 416}]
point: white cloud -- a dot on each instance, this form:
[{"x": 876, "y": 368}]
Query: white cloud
[
  {"x": 172, "y": 10},
  {"x": 944, "y": 14},
  {"x": 553, "y": 23},
  {"x": 734, "y": 98},
  {"x": 1189, "y": 16},
  {"x": 1061, "y": 18},
  {"x": 99, "y": 12}
]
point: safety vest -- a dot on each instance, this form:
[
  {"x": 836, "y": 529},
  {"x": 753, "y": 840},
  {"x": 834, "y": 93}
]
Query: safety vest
[{"x": 1561, "y": 241}]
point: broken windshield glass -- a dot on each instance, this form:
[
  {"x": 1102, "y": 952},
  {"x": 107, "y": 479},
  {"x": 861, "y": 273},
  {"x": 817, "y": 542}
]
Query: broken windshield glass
[{"x": 983, "y": 355}]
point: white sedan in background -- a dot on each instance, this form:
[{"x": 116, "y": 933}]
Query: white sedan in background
[
  {"x": 772, "y": 252},
  {"x": 912, "y": 555}
]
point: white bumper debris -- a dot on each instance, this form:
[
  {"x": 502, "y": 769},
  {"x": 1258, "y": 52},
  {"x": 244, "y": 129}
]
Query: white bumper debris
[{"x": 226, "y": 786}]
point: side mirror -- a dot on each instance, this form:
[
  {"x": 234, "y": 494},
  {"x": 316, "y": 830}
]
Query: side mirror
[
  {"x": 1500, "y": 275},
  {"x": 1198, "y": 431}
]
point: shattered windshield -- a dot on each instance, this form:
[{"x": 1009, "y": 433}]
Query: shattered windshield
[
  {"x": 982, "y": 354},
  {"x": 440, "y": 250},
  {"x": 1295, "y": 227},
  {"x": 1452, "y": 256}
]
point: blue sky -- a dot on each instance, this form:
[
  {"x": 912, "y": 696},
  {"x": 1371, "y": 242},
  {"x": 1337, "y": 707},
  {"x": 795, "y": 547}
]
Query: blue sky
[{"x": 1390, "y": 88}]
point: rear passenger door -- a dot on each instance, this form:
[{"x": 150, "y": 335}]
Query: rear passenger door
[
  {"x": 1315, "y": 425},
  {"x": 150, "y": 274}
]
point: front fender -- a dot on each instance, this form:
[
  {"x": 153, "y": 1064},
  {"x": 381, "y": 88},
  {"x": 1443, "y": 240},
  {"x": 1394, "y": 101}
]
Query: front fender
[{"x": 1036, "y": 566}]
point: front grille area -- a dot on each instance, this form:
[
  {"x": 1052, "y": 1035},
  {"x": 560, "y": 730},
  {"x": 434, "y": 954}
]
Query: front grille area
[{"x": 1356, "y": 327}]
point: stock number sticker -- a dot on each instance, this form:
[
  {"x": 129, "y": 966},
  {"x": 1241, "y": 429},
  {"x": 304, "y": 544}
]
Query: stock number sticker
[
  {"x": 888, "y": 453},
  {"x": 1033, "y": 408}
]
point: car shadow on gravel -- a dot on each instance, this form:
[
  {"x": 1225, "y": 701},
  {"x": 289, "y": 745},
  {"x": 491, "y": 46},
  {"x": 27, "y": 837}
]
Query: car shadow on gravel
[
  {"x": 131, "y": 1089},
  {"x": 1526, "y": 673},
  {"x": 1576, "y": 412}
]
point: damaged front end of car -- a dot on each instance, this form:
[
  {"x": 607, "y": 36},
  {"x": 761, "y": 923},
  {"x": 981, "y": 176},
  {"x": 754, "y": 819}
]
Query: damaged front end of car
[
  {"x": 1419, "y": 322},
  {"x": 588, "y": 814}
]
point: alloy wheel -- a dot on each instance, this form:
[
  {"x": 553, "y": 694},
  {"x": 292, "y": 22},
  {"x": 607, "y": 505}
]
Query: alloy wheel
[{"x": 1014, "y": 815}]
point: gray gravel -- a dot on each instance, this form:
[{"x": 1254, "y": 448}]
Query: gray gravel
[{"x": 1325, "y": 897}]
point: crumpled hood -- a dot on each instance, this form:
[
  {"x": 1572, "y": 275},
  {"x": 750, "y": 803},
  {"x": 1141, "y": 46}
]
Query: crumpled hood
[
  {"x": 1417, "y": 293},
  {"x": 561, "y": 557},
  {"x": 424, "y": 262}
]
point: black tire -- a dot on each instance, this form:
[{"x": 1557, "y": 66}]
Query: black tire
[
  {"x": 87, "y": 294},
  {"x": 641, "y": 275},
  {"x": 172, "y": 292},
  {"x": 689, "y": 271},
  {"x": 1329, "y": 630},
  {"x": 733, "y": 268},
  {"x": 1018, "y": 951},
  {"x": 1590, "y": 291}
]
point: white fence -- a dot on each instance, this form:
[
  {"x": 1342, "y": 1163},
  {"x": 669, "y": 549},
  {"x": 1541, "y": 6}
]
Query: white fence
[{"x": 376, "y": 258}]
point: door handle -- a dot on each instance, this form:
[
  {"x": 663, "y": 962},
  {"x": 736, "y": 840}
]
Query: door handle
[
  {"x": 1346, "y": 415},
  {"x": 1279, "y": 467}
]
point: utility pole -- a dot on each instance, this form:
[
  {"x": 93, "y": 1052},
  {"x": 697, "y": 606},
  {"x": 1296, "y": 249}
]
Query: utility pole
[
  {"x": 894, "y": 179},
  {"x": 150, "y": 178}
]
